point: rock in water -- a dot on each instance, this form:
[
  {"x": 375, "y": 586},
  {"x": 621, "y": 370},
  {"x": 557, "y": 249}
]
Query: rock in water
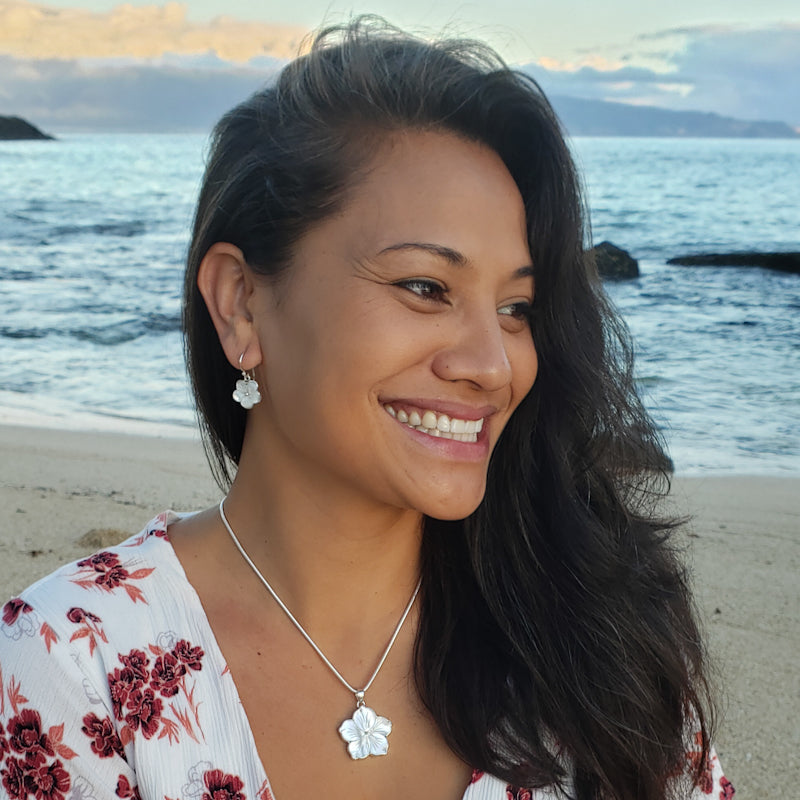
[
  {"x": 614, "y": 262},
  {"x": 783, "y": 262},
  {"x": 18, "y": 128}
]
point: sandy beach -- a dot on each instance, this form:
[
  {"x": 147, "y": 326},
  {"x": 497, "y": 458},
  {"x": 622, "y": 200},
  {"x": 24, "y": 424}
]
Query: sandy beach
[{"x": 65, "y": 494}]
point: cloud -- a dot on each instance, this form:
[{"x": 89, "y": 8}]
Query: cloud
[
  {"x": 148, "y": 68},
  {"x": 750, "y": 74},
  {"x": 745, "y": 73},
  {"x": 29, "y": 30}
]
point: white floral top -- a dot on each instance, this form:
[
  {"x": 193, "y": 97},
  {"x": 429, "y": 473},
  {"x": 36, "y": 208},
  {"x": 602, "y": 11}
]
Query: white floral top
[{"x": 109, "y": 663}]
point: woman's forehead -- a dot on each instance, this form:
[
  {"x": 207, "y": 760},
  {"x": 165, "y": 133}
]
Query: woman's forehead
[
  {"x": 424, "y": 201},
  {"x": 423, "y": 183}
]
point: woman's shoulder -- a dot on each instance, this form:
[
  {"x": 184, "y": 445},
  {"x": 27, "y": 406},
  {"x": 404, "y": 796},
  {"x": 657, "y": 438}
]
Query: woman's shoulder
[
  {"x": 137, "y": 582},
  {"x": 105, "y": 666}
]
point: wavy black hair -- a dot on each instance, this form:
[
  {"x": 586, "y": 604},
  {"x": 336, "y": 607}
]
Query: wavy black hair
[{"x": 557, "y": 635}]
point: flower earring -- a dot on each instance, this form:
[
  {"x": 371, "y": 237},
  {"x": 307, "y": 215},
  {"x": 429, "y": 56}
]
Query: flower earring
[{"x": 246, "y": 392}]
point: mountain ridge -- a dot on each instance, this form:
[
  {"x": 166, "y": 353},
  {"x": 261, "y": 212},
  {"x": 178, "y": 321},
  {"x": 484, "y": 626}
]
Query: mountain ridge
[
  {"x": 579, "y": 116},
  {"x": 583, "y": 117}
]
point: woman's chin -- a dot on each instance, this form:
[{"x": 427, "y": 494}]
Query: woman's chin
[{"x": 451, "y": 509}]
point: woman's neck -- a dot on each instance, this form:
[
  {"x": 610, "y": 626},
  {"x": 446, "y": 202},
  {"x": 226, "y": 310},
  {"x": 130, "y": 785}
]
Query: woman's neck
[{"x": 339, "y": 563}]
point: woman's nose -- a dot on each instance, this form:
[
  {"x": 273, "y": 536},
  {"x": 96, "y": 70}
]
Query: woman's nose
[{"x": 476, "y": 353}]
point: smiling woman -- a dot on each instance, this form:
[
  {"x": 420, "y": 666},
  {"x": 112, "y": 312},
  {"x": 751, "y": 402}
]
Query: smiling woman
[
  {"x": 436, "y": 572},
  {"x": 416, "y": 295}
]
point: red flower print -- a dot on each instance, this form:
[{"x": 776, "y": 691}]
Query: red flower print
[
  {"x": 514, "y": 793},
  {"x": 89, "y": 627},
  {"x": 25, "y": 734},
  {"x": 705, "y": 780},
  {"x": 726, "y": 789},
  {"x": 106, "y": 742},
  {"x": 144, "y": 710},
  {"x": 191, "y": 656},
  {"x": 706, "y": 783},
  {"x": 121, "y": 683},
  {"x": 78, "y": 615},
  {"x": 105, "y": 571},
  {"x": 136, "y": 692},
  {"x": 125, "y": 790},
  {"x": 137, "y": 661},
  {"x": 166, "y": 675},
  {"x": 220, "y": 786},
  {"x": 3, "y": 743},
  {"x": 14, "y": 779},
  {"x": 100, "y": 562},
  {"x": 161, "y": 532},
  {"x": 13, "y": 608},
  {"x": 264, "y": 793},
  {"x": 116, "y": 576},
  {"x": 47, "y": 781}
]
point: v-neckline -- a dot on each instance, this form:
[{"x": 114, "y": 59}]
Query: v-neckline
[{"x": 243, "y": 720}]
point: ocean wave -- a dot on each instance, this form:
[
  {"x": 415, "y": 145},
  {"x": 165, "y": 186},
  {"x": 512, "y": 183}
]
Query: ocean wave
[
  {"x": 17, "y": 275},
  {"x": 22, "y": 333},
  {"x": 129, "y": 228},
  {"x": 110, "y": 334}
]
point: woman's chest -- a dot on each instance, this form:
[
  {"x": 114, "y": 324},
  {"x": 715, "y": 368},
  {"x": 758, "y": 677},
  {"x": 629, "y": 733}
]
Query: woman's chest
[{"x": 295, "y": 708}]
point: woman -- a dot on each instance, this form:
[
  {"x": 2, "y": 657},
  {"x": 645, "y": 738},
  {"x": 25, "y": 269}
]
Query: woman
[{"x": 436, "y": 572}]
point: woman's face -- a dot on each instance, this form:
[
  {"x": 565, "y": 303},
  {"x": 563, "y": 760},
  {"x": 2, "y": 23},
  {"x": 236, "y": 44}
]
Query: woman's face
[{"x": 397, "y": 347}]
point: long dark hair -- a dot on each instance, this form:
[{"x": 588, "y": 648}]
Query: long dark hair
[{"x": 557, "y": 633}]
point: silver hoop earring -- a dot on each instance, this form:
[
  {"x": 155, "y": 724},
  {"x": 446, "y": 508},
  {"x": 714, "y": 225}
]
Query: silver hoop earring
[{"x": 246, "y": 392}]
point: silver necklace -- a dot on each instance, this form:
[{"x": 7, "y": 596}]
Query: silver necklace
[{"x": 365, "y": 732}]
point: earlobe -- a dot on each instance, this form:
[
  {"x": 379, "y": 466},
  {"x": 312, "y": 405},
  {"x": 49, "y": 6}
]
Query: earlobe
[{"x": 226, "y": 283}]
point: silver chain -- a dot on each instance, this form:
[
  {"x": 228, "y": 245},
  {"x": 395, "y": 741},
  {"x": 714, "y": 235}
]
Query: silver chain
[{"x": 359, "y": 693}]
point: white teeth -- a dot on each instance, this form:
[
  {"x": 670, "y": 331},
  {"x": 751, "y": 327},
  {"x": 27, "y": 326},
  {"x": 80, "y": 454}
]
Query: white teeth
[
  {"x": 429, "y": 420},
  {"x": 462, "y": 430}
]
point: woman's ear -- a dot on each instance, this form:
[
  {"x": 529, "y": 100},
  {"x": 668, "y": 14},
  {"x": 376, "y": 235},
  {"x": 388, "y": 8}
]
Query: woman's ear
[{"x": 226, "y": 283}]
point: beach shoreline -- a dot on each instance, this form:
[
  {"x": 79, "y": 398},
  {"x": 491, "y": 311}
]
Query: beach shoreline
[{"x": 67, "y": 493}]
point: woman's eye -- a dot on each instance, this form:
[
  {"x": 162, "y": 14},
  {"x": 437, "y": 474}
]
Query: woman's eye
[
  {"x": 520, "y": 310},
  {"x": 426, "y": 289}
]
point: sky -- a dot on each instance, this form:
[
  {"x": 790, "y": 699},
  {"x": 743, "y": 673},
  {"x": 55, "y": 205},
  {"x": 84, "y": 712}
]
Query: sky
[{"x": 148, "y": 65}]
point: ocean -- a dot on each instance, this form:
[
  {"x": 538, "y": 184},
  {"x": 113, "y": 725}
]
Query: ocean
[{"x": 94, "y": 229}]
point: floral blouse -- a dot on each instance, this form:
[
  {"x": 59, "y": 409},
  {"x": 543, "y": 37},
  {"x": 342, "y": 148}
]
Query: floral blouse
[{"x": 112, "y": 686}]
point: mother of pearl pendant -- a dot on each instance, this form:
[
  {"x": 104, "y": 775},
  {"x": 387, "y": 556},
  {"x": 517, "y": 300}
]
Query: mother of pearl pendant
[{"x": 365, "y": 733}]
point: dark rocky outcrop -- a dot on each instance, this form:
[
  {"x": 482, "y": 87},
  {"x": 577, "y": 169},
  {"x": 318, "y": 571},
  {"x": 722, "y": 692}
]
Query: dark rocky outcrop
[
  {"x": 783, "y": 262},
  {"x": 613, "y": 262},
  {"x": 18, "y": 128}
]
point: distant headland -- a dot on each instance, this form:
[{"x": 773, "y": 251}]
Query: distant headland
[
  {"x": 603, "y": 118},
  {"x": 18, "y": 128}
]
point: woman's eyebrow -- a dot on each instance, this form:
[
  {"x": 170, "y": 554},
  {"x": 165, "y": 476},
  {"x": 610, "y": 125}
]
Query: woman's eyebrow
[
  {"x": 453, "y": 256},
  {"x": 527, "y": 271},
  {"x": 450, "y": 255}
]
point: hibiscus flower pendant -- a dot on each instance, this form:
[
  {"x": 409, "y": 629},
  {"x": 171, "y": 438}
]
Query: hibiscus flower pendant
[{"x": 365, "y": 732}]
